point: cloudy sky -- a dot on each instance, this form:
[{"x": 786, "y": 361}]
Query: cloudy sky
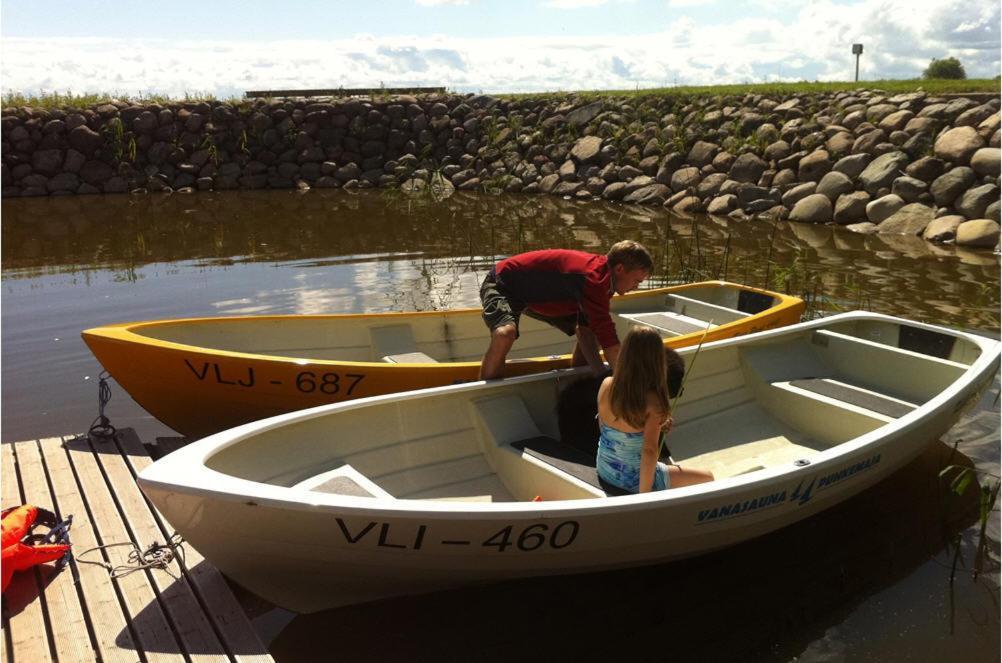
[{"x": 225, "y": 47}]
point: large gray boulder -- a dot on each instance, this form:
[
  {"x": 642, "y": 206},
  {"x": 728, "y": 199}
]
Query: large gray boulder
[
  {"x": 911, "y": 219},
  {"x": 985, "y": 161},
  {"x": 994, "y": 212},
  {"x": 63, "y": 182},
  {"x": 747, "y": 168},
  {"x": 798, "y": 193},
  {"x": 47, "y": 162},
  {"x": 834, "y": 184},
  {"x": 978, "y": 232},
  {"x": 710, "y": 185},
  {"x": 973, "y": 202},
  {"x": 958, "y": 145},
  {"x": 614, "y": 191},
  {"x": 868, "y": 142},
  {"x": 587, "y": 149},
  {"x": 851, "y": 207},
  {"x": 840, "y": 143},
  {"x": 585, "y": 114},
  {"x": 85, "y": 140},
  {"x": 883, "y": 208},
  {"x": 852, "y": 165},
  {"x": 896, "y": 121},
  {"x": 908, "y": 188},
  {"x": 815, "y": 208},
  {"x": 685, "y": 178},
  {"x": 652, "y": 194},
  {"x": 926, "y": 169},
  {"x": 777, "y": 150},
  {"x": 944, "y": 228},
  {"x": 95, "y": 172},
  {"x": 949, "y": 185},
  {"x": 722, "y": 205},
  {"x": 974, "y": 116},
  {"x": 882, "y": 171},
  {"x": 814, "y": 166},
  {"x": 702, "y": 153}
]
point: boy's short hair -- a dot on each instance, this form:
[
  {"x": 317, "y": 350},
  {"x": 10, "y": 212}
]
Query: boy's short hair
[{"x": 631, "y": 255}]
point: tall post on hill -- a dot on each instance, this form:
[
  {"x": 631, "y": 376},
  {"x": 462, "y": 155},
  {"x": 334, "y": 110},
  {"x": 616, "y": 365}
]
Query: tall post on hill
[{"x": 857, "y": 49}]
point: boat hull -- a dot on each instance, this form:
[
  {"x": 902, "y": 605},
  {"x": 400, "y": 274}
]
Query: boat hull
[
  {"x": 309, "y": 551},
  {"x": 202, "y": 390},
  {"x": 354, "y": 555}
]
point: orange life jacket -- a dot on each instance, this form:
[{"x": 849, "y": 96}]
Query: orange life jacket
[{"x": 23, "y": 550}]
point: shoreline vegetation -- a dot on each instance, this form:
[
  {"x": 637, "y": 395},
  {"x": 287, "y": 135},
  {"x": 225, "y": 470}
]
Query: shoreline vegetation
[
  {"x": 915, "y": 157},
  {"x": 69, "y": 99}
]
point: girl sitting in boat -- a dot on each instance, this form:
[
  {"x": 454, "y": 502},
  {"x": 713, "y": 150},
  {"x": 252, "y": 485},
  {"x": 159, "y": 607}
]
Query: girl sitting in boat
[{"x": 633, "y": 410}]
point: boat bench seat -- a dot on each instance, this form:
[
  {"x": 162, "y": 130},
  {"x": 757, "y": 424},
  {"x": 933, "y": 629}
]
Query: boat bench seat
[
  {"x": 410, "y": 358},
  {"x": 344, "y": 480},
  {"x": 841, "y": 392},
  {"x": 566, "y": 459},
  {"x": 673, "y": 324}
]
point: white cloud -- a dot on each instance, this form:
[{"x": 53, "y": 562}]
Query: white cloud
[
  {"x": 683, "y": 4},
  {"x": 574, "y": 4},
  {"x": 899, "y": 37},
  {"x": 436, "y": 3}
]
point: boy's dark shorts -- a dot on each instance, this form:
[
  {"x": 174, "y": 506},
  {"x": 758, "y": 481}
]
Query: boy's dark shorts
[{"x": 500, "y": 310}]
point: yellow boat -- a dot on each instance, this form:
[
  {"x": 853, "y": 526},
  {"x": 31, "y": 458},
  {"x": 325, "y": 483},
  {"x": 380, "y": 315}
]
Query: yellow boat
[{"x": 203, "y": 375}]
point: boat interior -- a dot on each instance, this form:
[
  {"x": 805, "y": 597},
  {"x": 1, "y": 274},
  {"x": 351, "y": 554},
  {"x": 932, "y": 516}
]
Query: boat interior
[
  {"x": 758, "y": 404},
  {"x": 456, "y": 336}
]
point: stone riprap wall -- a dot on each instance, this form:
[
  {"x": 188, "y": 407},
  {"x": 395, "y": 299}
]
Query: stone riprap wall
[{"x": 905, "y": 164}]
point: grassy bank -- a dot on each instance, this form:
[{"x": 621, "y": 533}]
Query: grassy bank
[
  {"x": 70, "y": 100},
  {"x": 940, "y": 86}
]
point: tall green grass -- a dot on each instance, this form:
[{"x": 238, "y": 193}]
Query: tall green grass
[
  {"x": 70, "y": 100},
  {"x": 801, "y": 87}
]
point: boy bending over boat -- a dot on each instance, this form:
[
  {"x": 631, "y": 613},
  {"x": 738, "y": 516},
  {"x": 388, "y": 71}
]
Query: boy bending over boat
[{"x": 569, "y": 290}]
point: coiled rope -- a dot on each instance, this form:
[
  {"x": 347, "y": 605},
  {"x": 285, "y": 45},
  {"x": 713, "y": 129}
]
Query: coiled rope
[
  {"x": 102, "y": 428},
  {"x": 156, "y": 556}
]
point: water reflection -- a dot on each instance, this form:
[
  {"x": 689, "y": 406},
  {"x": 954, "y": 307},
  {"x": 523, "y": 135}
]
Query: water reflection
[
  {"x": 899, "y": 274},
  {"x": 830, "y": 588}
]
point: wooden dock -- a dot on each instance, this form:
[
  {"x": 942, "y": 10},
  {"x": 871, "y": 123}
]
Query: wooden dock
[{"x": 79, "y": 612}]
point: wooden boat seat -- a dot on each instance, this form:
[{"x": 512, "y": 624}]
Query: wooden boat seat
[
  {"x": 673, "y": 323},
  {"x": 410, "y": 358},
  {"x": 344, "y": 480},
  {"x": 567, "y": 459},
  {"x": 701, "y": 310}
]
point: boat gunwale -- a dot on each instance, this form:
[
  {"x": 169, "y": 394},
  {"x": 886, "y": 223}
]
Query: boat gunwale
[
  {"x": 127, "y": 332},
  {"x": 192, "y": 475}
]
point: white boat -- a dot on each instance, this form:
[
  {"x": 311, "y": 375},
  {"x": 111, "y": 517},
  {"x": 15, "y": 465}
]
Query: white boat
[{"x": 425, "y": 490}]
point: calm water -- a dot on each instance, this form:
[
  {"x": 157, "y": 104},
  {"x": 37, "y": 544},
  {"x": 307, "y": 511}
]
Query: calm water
[{"x": 865, "y": 581}]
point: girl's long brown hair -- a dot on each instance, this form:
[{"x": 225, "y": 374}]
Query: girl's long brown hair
[{"x": 640, "y": 370}]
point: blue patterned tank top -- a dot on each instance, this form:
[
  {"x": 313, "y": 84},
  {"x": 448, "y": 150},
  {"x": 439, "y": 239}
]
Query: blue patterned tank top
[{"x": 618, "y": 460}]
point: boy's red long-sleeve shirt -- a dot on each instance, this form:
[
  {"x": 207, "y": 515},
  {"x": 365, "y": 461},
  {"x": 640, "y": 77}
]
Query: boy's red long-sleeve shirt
[{"x": 561, "y": 282}]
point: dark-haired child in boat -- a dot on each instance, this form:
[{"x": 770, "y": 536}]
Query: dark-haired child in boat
[
  {"x": 567, "y": 289},
  {"x": 633, "y": 410}
]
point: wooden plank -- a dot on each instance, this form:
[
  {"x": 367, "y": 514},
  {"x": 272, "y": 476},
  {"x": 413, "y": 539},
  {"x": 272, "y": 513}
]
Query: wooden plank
[
  {"x": 26, "y": 622},
  {"x": 148, "y": 621},
  {"x": 106, "y": 614},
  {"x": 237, "y": 632},
  {"x": 8, "y": 487},
  {"x": 190, "y": 622},
  {"x": 66, "y": 618}
]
